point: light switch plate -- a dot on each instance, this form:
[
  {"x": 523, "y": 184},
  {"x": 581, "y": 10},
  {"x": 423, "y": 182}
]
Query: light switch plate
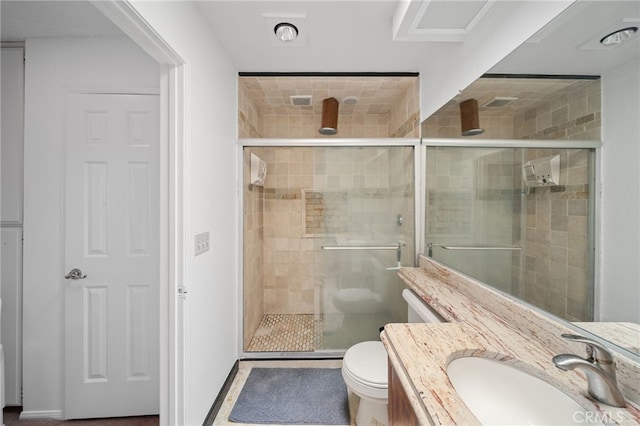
[{"x": 201, "y": 243}]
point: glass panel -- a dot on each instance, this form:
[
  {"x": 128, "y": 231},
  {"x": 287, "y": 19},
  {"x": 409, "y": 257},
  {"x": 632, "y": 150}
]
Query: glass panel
[
  {"x": 318, "y": 239},
  {"x": 534, "y": 242}
]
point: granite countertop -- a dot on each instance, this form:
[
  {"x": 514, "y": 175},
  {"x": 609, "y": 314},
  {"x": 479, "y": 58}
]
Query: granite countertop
[{"x": 420, "y": 353}]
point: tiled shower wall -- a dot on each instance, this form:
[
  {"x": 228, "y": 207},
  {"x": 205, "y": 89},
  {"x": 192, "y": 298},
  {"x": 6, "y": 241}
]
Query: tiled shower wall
[
  {"x": 573, "y": 113},
  {"x": 249, "y": 116},
  {"x": 449, "y": 127},
  {"x": 556, "y": 262},
  {"x": 368, "y": 187},
  {"x": 400, "y": 122},
  {"x": 556, "y": 265}
]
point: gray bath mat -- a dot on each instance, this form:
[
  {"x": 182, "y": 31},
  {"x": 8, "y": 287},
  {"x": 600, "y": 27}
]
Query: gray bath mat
[{"x": 293, "y": 396}]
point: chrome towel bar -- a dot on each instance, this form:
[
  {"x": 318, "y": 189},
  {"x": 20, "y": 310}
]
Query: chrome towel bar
[
  {"x": 397, "y": 247},
  {"x": 478, "y": 247},
  {"x": 365, "y": 247},
  {"x": 447, "y": 247}
]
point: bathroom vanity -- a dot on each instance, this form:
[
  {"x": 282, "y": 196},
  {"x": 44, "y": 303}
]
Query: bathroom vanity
[{"x": 484, "y": 323}]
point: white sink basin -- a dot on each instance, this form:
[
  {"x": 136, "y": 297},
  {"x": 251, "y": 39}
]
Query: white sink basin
[{"x": 499, "y": 394}]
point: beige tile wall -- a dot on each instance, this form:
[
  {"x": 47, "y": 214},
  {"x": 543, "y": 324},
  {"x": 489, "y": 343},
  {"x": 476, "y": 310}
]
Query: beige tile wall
[
  {"x": 401, "y": 121},
  {"x": 573, "y": 113},
  {"x": 307, "y": 125},
  {"x": 404, "y": 118},
  {"x": 249, "y": 117},
  {"x": 556, "y": 262},
  {"x": 449, "y": 127},
  {"x": 557, "y": 275},
  {"x": 373, "y": 186}
]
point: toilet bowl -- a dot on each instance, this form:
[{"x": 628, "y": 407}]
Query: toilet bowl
[{"x": 364, "y": 367}]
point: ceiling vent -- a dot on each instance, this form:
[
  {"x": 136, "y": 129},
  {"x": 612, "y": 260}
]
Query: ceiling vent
[
  {"x": 499, "y": 102},
  {"x": 300, "y": 100}
]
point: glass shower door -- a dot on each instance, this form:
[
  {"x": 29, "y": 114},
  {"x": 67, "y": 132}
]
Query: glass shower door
[
  {"x": 474, "y": 204},
  {"x": 490, "y": 216},
  {"x": 366, "y": 232},
  {"x": 322, "y": 241}
]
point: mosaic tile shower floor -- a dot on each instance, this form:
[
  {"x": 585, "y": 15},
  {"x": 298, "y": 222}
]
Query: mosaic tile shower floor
[
  {"x": 288, "y": 333},
  {"x": 310, "y": 332}
]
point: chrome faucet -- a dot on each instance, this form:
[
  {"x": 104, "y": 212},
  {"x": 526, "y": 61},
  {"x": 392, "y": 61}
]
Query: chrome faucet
[{"x": 599, "y": 368}]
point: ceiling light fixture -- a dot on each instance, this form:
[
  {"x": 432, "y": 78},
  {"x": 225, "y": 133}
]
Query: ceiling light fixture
[
  {"x": 470, "y": 118},
  {"x": 619, "y": 36},
  {"x": 329, "y": 121},
  {"x": 350, "y": 100},
  {"x": 286, "y": 31}
]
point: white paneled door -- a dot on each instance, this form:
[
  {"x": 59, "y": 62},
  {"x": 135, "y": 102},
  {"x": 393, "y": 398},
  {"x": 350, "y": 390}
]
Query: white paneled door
[{"x": 111, "y": 256}]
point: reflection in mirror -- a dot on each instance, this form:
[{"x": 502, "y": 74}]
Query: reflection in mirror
[
  {"x": 529, "y": 238},
  {"x": 522, "y": 219},
  {"x": 502, "y": 216},
  {"x": 525, "y": 108}
]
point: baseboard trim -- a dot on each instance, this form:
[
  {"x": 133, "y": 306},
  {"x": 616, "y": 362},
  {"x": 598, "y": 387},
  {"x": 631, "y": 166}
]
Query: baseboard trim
[
  {"x": 41, "y": 414},
  {"x": 215, "y": 408}
]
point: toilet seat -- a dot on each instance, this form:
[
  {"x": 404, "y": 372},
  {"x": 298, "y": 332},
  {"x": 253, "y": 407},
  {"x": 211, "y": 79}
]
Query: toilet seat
[{"x": 364, "y": 368}]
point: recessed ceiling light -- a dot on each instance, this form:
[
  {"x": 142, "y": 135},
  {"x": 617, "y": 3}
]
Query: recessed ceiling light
[
  {"x": 619, "y": 36},
  {"x": 350, "y": 100},
  {"x": 286, "y": 31}
]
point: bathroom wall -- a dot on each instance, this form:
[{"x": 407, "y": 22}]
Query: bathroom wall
[
  {"x": 619, "y": 292},
  {"x": 208, "y": 195}
]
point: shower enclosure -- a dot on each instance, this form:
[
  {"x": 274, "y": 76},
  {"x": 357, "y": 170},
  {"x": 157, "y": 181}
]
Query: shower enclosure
[
  {"x": 529, "y": 235},
  {"x": 323, "y": 238}
]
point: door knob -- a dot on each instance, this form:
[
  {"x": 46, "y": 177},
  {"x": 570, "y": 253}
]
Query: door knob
[{"x": 75, "y": 274}]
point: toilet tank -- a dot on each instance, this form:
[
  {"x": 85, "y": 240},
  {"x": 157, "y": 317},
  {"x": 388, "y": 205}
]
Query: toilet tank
[{"x": 418, "y": 310}]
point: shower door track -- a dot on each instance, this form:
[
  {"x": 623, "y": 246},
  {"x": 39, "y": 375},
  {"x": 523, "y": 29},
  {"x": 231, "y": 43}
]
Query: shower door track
[{"x": 337, "y": 142}]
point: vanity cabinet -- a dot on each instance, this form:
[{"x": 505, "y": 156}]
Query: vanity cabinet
[{"x": 400, "y": 410}]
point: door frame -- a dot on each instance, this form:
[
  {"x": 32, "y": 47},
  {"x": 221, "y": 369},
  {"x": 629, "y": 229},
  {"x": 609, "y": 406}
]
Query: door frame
[{"x": 172, "y": 189}]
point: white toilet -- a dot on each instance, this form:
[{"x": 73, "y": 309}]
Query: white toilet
[{"x": 364, "y": 367}]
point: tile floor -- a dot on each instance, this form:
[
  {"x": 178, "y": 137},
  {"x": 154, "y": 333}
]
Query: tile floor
[{"x": 243, "y": 372}]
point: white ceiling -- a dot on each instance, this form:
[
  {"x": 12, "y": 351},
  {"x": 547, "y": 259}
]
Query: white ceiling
[
  {"x": 23, "y": 19},
  {"x": 351, "y": 36}
]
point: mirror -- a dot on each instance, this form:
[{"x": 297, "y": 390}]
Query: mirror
[{"x": 489, "y": 186}]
